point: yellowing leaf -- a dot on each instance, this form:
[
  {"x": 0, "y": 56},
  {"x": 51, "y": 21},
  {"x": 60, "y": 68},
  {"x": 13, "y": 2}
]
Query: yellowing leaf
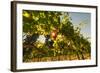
[{"x": 26, "y": 14}]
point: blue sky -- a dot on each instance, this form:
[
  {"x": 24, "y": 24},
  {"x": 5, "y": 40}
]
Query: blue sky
[{"x": 84, "y": 18}]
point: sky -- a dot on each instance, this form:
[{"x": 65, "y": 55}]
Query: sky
[{"x": 84, "y": 18}]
